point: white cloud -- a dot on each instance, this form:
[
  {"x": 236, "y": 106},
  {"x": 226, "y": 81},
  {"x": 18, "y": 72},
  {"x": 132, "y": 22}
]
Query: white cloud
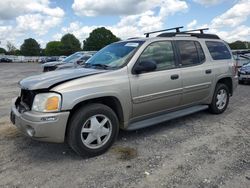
[
  {"x": 192, "y": 24},
  {"x": 128, "y": 26},
  {"x": 39, "y": 24},
  {"x": 229, "y": 25},
  {"x": 126, "y": 7},
  {"x": 208, "y": 2},
  {"x": 235, "y": 16},
  {"x": 239, "y": 33},
  {"x": 22, "y": 16},
  {"x": 10, "y": 9},
  {"x": 137, "y": 16}
]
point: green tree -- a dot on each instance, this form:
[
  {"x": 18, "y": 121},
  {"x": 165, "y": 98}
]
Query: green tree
[
  {"x": 17, "y": 52},
  {"x": 70, "y": 44},
  {"x": 54, "y": 48},
  {"x": 10, "y": 48},
  {"x": 2, "y": 51},
  {"x": 238, "y": 45},
  {"x": 30, "y": 47},
  {"x": 42, "y": 52},
  {"x": 99, "y": 38}
]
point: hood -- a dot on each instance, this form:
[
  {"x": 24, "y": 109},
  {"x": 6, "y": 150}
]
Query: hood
[
  {"x": 67, "y": 65},
  {"x": 49, "y": 79},
  {"x": 246, "y": 67},
  {"x": 53, "y": 63}
]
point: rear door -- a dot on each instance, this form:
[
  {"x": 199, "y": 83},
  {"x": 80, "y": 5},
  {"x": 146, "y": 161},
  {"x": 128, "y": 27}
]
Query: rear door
[{"x": 196, "y": 72}]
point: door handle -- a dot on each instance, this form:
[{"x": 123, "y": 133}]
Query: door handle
[
  {"x": 174, "y": 77},
  {"x": 209, "y": 71}
]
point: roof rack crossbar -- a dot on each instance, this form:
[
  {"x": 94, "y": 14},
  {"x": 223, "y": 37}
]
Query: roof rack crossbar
[
  {"x": 201, "y": 30},
  {"x": 174, "y": 28}
]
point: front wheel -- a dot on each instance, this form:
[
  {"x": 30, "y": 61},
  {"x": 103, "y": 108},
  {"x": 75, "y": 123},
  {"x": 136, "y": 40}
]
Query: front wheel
[
  {"x": 92, "y": 129},
  {"x": 220, "y": 99},
  {"x": 241, "y": 82}
]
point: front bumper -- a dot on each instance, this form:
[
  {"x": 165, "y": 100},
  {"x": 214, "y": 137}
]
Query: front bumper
[
  {"x": 49, "y": 127},
  {"x": 243, "y": 77}
]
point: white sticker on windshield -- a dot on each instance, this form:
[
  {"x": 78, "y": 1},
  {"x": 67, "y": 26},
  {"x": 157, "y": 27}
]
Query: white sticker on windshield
[{"x": 132, "y": 44}]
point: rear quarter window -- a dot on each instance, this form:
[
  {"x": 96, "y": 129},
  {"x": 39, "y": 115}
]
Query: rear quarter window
[{"x": 218, "y": 50}]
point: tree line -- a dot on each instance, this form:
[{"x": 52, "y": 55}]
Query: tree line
[{"x": 69, "y": 44}]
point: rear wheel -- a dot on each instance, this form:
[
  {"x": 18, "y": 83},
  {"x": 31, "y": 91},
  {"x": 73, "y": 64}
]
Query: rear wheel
[
  {"x": 220, "y": 99},
  {"x": 92, "y": 129}
]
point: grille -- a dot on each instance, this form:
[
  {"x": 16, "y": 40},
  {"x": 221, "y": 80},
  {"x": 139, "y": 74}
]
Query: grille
[
  {"x": 25, "y": 100},
  {"x": 47, "y": 69}
]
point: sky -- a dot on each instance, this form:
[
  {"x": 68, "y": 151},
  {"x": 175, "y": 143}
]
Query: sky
[{"x": 47, "y": 20}]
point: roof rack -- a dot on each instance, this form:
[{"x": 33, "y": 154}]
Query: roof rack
[
  {"x": 169, "y": 29},
  {"x": 133, "y": 38},
  {"x": 201, "y": 30},
  {"x": 184, "y": 33}
]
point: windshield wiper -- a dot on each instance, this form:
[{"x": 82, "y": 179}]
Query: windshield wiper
[{"x": 97, "y": 65}]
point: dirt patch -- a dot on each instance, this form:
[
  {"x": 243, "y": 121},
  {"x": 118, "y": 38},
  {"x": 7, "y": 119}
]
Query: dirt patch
[
  {"x": 8, "y": 131},
  {"x": 125, "y": 153}
]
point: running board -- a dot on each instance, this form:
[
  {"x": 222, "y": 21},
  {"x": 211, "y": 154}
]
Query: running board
[{"x": 166, "y": 117}]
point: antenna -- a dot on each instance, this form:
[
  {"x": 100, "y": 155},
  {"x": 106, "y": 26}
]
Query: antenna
[{"x": 174, "y": 28}]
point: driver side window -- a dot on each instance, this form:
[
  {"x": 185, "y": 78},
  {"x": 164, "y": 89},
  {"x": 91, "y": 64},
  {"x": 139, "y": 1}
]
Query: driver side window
[{"x": 161, "y": 53}]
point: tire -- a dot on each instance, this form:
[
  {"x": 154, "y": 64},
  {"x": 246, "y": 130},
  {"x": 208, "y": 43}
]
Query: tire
[
  {"x": 216, "y": 108},
  {"x": 84, "y": 129},
  {"x": 241, "y": 82}
]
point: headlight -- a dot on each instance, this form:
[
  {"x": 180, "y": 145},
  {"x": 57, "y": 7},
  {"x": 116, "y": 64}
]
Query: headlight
[{"x": 47, "y": 102}]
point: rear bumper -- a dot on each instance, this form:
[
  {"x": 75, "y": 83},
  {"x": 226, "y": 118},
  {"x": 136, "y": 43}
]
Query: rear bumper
[{"x": 49, "y": 127}]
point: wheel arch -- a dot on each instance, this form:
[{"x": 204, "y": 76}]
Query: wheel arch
[
  {"x": 228, "y": 82},
  {"x": 110, "y": 101}
]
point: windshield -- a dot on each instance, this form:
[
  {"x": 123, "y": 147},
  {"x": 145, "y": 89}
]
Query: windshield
[
  {"x": 73, "y": 58},
  {"x": 247, "y": 65},
  {"x": 113, "y": 55}
]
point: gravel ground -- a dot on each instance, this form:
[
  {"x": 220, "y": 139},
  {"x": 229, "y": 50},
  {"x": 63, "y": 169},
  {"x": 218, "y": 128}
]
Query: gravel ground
[{"x": 201, "y": 150}]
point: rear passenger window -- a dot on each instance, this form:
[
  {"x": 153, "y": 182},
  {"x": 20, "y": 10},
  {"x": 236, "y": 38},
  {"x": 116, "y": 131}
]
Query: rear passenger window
[
  {"x": 161, "y": 53},
  {"x": 218, "y": 50},
  {"x": 191, "y": 52}
]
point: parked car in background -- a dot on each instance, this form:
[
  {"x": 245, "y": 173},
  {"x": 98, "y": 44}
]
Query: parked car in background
[
  {"x": 5, "y": 60},
  {"x": 76, "y": 64},
  {"x": 48, "y": 59},
  {"x": 61, "y": 58},
  {"x": 244, "y": 74},
  {"x": 74, "y": 60},
  {"x": 241, "y": 57}
]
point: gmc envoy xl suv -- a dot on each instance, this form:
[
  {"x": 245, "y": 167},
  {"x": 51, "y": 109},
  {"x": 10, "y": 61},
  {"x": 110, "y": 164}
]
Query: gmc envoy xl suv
[{"x": 128, "y": 85}]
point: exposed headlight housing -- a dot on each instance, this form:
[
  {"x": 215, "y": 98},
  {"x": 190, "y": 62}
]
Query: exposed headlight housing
[{"x": 47, "y": 102}]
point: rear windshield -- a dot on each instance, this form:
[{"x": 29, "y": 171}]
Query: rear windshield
[{"x": 218, "y": 50}]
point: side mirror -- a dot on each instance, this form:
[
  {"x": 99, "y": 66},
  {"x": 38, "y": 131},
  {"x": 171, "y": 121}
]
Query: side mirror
[{"x": 145, "y": 66}]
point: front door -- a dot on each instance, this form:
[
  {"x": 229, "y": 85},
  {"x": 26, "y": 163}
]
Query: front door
[{"x": 158, "y": 90}]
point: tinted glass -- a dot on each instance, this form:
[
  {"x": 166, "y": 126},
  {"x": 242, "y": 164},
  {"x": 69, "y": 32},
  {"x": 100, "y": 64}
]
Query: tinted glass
[
  {"x": 161, "y": 53},
  {"x": 218, "y": 50},
  {"x": 188, "y": 53},
  {"x": 200, "y": 52}
]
